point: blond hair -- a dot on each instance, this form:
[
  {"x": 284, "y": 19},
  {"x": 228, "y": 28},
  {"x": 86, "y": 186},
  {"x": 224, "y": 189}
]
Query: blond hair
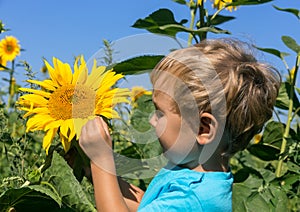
[{"x": 226, "y": 80}]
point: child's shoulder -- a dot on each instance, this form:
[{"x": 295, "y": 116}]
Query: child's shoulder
[
  {"x": 185, "y": 177},
  {"x": 188, "y": 189}
]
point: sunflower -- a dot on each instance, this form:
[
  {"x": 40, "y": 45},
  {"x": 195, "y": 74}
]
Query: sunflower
[
  {"x": 199, "y": 2},
  {"x": 2, "y": 63},
  {"x": 9, "y": 48},
  {"x": 68, "y": 100},
  {"x": 137, "y": 92},
  {"x": 219, "y": 4}
]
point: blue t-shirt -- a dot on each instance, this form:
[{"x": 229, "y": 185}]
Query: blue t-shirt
[{"x": 181, "y": 189}]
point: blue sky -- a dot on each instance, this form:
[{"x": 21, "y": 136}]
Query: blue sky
[{"x": 65, "y": 29}]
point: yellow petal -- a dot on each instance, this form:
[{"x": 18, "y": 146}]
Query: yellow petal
[
  {"x": 65, "y": 143},
  {"x": 72, "y": 130},
  {"x": 38, "y": 122},
  {"x": 48, "y": 139},
  {"x": 52, "y": 73},
  {"x": 78, "y": 70},
  {"x": 64, "y": 127},
  {"x": 96, "y": 77},
  {"x": 37, "y": 92},
  {"x": 50, "y": 82},
  {"x": 43, "y": 84},
  {"x": 64, "y": 72},
  {"x": 83, "y": 75},
  {"x": 36, "y": 99},
  {"x": 78, "y": 124},
  {"x": 108, "y": 113},
  {"x": 53, "y": 124},
  {"x": 40, "y": 111},
  {"x": 108, "y": 81}
]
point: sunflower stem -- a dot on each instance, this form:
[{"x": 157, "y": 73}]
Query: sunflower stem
[
  {"x": 11, "y": 86},
  {"x": 289, "y": 120},
  {"x": 202, "y": 13},
  {"x": 85, "y": 159},
  {"x": 193, "y": 11}
]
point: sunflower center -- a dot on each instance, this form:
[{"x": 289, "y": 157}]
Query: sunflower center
[
  {"x": 9, "y": 48},
  {"x": 69, "y": 102}
]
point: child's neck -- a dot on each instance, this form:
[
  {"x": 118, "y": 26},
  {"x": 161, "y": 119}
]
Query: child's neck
[{"x": 214, "y": 164}]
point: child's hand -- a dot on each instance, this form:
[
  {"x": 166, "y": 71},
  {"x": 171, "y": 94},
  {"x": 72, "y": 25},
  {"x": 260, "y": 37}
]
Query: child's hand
[{"x": 95, "y": 140}]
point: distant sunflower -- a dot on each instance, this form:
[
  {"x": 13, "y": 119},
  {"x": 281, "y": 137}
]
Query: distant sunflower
[
  {"x": 67, "y": 101},
  {"x": 137, "y": 92},
  {"x": 9, "y": 48},
  {"x": 218, "y": 4},
  {"x": 2, "y": 62}
]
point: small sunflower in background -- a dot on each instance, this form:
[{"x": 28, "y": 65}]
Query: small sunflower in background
[
  {"x": 257, "y": 138},
  {"x": 68, "y": 100},
  {"x": 137, "y": 92},
  {"x": 219, "y": 4},
  {"x": 9, "y": 49},
  {"x": 2, "y": 63}
]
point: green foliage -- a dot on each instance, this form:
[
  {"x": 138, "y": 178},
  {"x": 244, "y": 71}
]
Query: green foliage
[
  {"x": 22, "y": 199},
  {"x": 56, "y": 190},
  {"x": 157, "y": 20},
  {"x": 141, "y": 158},
  {"x": 248, "y": 2},
  {"x": 275, "y": 52},
  {"x": 267, "y": 173},
  {"x": 65, "y": 184},
  {"x": 289, "y": 10},
  {"x": 137, "y": 65}
]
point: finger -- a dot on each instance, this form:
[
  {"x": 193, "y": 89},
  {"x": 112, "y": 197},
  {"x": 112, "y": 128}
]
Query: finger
[{"x": 105, "y": 127}]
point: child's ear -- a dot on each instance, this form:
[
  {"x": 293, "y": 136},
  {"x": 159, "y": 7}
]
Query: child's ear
[{"x": 207, "y": 129}]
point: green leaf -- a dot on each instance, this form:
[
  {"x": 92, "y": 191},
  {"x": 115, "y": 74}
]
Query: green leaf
[
  {"x": 288, "y": 181},
  {"x": 273, "y": 133},
  {"x": 259, "y": 198},
  {"x": 141, "y": 114},
  {"x": 279, "y": 200},
  {"x": 264, "y": 152},
  {"x": 2, "y": 29},
  {"x": 61, "y": 176},
  {"x": 254, "y": 181},
  {"x": 48, "y": 191},
  {"x": 298, "y": 90},
  {"x": 275, "y": 52},
  {"x": 291, "y": 43},
  {"x": 140, "y": 121},
  {"x": 243, "y": 174},
  {"x": 267, "y": 175},
  {"x": 183, "y": 2},
  {"x": 289, "y": 10},
  {"x": 256, "y": 201},
  {"x": 219, "y": 19},
  {"x": 137, "y": 65},
  {"x": 240, "y": 192},
  {"x": 282, "y": 100},
  {"x": 248, "y": 2},
  {"x": 212, "y": 29},
  {"x": 293, "y": 167},
  {"x": 283, "y": 97},
  {"x": 22, "y": 199},
  {"x": 156, "y": 20}
]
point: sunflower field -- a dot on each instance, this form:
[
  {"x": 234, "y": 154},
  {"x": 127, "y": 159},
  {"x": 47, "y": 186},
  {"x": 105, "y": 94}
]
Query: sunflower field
[{"x": 42, "y": 167}]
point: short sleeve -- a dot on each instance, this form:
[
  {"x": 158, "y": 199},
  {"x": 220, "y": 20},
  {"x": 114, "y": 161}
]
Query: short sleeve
[{"x": 175, "y": 200}]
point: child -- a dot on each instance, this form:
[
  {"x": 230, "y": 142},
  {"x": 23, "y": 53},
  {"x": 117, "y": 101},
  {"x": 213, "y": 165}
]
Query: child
[{"x": 211, "y": 99}]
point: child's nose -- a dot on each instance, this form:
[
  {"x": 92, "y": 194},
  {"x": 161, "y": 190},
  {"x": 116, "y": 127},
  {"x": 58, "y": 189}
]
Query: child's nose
[{"x": 153, "y": 120}]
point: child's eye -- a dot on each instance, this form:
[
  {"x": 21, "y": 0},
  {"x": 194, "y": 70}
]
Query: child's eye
[{"x": 159, "y": 114}]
